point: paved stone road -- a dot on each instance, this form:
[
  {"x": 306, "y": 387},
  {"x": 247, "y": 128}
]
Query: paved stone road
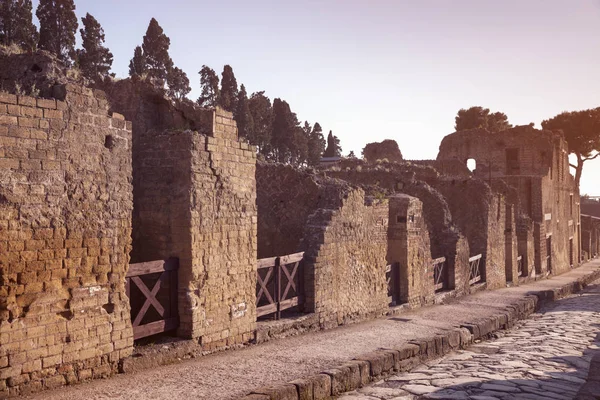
[{"x": 543, "y": 358}]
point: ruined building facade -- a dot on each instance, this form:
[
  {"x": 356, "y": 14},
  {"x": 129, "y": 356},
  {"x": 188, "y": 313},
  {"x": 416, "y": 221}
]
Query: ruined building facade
[{"x": 124, "y": 213}]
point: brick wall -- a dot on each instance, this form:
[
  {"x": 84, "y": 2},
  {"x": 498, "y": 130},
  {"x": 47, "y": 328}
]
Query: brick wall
[
  {"x": 196, "y": 200},
  {"x": 482, "y": 223},
  {"x": 409, "y": 246},
  {"x": 65, "y": 226},
  {"x": 346, "y": 261}
]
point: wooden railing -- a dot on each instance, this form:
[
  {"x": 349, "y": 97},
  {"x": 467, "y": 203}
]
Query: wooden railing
[
  {"x": 279, "y": 284},
  {"x": 474, "y": 268},
  {"x": 440, "y": 274},
  {"x": 162, "y": 277}
]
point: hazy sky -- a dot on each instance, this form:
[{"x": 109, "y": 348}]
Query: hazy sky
[{"x": 374, "y": 69}]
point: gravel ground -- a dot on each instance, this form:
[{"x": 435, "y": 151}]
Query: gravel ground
[{"x": 232, "y": 374}]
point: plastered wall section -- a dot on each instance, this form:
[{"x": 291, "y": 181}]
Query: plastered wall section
[
  {"x": 346, "y": 261},
  {"x": 65, "y": 237}
]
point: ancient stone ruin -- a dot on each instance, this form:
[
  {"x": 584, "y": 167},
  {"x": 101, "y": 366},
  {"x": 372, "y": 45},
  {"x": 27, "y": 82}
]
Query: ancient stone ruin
[{"x": 125, "y": 214}]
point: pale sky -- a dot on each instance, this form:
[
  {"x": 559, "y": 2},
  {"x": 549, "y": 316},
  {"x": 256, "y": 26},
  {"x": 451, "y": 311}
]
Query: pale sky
[{"x": 376, "y": 69}]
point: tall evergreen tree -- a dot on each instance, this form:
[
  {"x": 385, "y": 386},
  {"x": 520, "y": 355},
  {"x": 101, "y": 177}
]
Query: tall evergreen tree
[
  {"x": 338, "y": 146},
  {"x": 58, "y": 25},
  {"x": 137, "y": 65},
  {"x": 316, "y": 145},
  {"x": 229, "y": 89},
  {"x": 261, "y": 112},
  {"x": 299, "y": 148},
  {"x": 178, "y": 82},
  {"x": 284, "y": 127},
  {"x": 334, "y": 148},
  {"x": 94, "y": 59},
  {"x": 16, "y": 24},
  {"x": 242, "y": 115},
  {"x": 156, "y": 52},
  {"x": 209, "y": 82}
]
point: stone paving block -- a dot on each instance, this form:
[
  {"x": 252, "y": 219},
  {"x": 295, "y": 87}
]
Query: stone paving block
[
  {"x": 354, "y": 376},
  {"x": 375, "y": 361},
  {"x": 279, "y": 392},
  {"x": 304, "y": 388},
  {"x": 321, "y": 386},
  {"x": 340, "y": 380}
]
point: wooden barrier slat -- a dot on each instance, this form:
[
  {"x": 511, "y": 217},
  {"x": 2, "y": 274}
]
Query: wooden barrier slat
[
  {"x": 264, "y": 310},
  {"x": 289, "y": 303},
  {"x": 266, "y": 262},
  {"x": 152, "y": 267},
  {"x": 291, "y": 258},
  {"x": 155, "y": 327}
]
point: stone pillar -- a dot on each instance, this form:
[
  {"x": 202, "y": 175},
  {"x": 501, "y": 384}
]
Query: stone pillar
[{"x": 408, "y": 245}]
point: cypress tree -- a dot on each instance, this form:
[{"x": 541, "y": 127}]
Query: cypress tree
[
  {"x": 209, "y": 82},
  {"x": 242, "y": 115},
  {"x": 316, "y": 145},
  {"x": 94, "y": 59},
  {"x": 16, "y": 24},
  {"x": 229, "y": 89},
  {"x": 137, "y": 65},
  {"x": 58, "y": 25},
  {"x": 178, "y": 82},
  {"x": 156, "y": 52}
]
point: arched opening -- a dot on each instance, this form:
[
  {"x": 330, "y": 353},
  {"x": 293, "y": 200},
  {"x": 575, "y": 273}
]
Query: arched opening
[{"x": 471, "y": 164}]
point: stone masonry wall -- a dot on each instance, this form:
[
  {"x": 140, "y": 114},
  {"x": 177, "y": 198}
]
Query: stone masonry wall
[
  {"x": 409, "y": 247},
  {"x": 196, "y": 199},
  {"x": 65, "y": 237},
  {"x": 346, "y": 261},
  {"x": 482, "y": 220},
  {"x": 286, "y": 196}
]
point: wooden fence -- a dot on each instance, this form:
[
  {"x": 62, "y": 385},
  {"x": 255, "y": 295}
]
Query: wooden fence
[
  {"x": 475, "y": 269},
  {"x": 279, "y": 284},
  {"x": 153, "y": 283}
]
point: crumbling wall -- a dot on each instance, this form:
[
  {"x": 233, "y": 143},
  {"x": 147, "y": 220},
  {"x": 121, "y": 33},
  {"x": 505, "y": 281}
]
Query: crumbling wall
[
  {"x": 346, "y": 260},
  {"x": 65, "y": 237},
  {"x": 196, "y": 199},
  {"x": 406, "y": 178},
  {"x": 286, "y": 196},
  {"x": 385, "y": 150},
  {"x": 494, "y": 153},
  {"x": 534, "y": 163},
  {"x": 409, "y": 247},
  {"x": 480, "y": 215}
]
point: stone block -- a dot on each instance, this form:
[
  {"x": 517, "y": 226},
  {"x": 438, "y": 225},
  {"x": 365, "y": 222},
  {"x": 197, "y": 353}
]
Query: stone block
[
  {"x": 304, "y": 388},
  {"x": 321, "y": 386},
  {"x": 279, "y": 392}
]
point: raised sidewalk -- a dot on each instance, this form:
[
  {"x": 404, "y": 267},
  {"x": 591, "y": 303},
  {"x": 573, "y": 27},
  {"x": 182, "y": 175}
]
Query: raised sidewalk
[{"x": 321, "y": 364}]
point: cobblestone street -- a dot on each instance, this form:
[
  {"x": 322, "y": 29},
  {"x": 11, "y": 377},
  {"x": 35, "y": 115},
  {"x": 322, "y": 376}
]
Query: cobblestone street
[{"x": 544, "y": 357}]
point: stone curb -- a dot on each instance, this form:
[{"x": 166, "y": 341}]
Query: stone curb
[{"x": 375, "y": 365}]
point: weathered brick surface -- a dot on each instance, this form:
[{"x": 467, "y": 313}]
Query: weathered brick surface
[
  {"x": 535, "y": 163},
  {"x": 65, "y": 212},
  {"x": 195, "y": 199},
  {"x": 346, "y": 260}
]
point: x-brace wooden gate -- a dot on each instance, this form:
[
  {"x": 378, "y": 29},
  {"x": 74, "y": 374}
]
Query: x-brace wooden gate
[
  {"x": 279, "y": 284},
  {"x": 153, "y": 284}
]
